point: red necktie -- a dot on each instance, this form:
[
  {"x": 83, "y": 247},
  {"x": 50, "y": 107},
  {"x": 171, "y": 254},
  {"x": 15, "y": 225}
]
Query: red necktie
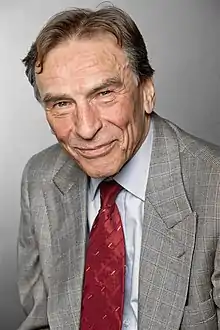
[{"x": 103, "y": 290}]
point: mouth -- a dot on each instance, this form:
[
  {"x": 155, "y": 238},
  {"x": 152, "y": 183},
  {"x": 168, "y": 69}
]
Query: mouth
[{"x": 96, "y": 152}]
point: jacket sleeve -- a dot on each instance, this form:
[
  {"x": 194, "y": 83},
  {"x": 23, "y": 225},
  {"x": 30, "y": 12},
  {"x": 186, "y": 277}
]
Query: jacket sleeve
[
  {"x": 216, "y": 281},
  {"x": 31, "y": 286}
]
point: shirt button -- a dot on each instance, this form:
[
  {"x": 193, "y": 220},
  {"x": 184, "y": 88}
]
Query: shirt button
[{"x": 126, "y": 323}]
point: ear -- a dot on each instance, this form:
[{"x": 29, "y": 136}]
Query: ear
[{"x": 148, "y": 96}]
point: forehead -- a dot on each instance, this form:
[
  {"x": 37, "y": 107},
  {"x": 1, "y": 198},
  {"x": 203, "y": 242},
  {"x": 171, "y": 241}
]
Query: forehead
[{"x": 83, "y": 62}]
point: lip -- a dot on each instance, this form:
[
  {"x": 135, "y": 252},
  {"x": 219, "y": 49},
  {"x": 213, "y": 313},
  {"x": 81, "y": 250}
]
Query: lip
[{"x": 97, "y": 151}]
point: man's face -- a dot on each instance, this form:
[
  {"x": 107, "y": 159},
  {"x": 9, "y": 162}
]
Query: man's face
[{"x": 94, "y": 104}]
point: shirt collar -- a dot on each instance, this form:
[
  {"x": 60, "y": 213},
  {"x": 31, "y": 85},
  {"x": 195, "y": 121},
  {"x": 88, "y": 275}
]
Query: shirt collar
[{"x": 134, "y": 175}]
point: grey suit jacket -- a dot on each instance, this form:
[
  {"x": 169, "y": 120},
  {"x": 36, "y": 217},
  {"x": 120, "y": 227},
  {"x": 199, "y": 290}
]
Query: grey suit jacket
[{"x": 179, "y": 285}]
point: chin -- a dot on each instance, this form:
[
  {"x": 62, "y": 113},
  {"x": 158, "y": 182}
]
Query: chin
[
  {"x": 100, "y": 170},
  {"x": 99, "y": 167},
  {"x": 99, "y": 173}
]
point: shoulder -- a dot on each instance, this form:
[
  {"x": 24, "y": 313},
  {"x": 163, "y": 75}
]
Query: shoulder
[
  {"x": 195, "y": 148},
  {"x": 44, "y": 165}
]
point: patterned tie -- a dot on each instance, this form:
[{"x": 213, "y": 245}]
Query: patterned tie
[{"x": 103, "y": 291}]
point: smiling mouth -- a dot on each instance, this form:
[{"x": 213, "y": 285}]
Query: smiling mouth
[{"x": 96, "y": 152}]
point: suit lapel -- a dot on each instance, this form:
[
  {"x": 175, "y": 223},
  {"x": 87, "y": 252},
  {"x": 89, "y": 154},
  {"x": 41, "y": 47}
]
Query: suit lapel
[
  {"x": 168, "y": 236},
  {"x": 66, "y": 204}
]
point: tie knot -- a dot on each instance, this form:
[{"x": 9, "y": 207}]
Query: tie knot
[{"x": 108, "y": 192}]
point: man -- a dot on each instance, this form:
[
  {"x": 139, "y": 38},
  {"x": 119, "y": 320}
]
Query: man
[{"x": 120, "y": 220}]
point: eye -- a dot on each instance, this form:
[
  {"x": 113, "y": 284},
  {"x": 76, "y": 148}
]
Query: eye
[
  {"x": 62, "y": 104},
  {"x": 105, "y": 93}
]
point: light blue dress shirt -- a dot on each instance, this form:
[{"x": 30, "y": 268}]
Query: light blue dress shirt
[{"x": 130, "y": 201}]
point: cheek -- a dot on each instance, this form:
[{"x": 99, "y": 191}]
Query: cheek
[
  {"x": 61, "y": 127},
  {"x": 129, "y": 117},
  {"x": 121, "y": 115}
]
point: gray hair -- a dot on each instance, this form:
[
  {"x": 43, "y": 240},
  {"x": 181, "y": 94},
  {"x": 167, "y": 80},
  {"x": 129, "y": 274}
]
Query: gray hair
[{"x": 82, "y": 23}]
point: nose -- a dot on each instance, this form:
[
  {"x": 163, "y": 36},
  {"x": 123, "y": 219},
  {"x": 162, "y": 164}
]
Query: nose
[{"x": 88, "y": 122}]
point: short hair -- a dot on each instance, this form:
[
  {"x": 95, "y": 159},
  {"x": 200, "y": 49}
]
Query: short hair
[{"x": 86, "y": 23}]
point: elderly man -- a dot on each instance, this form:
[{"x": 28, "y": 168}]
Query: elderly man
[{"x": 119, "y": 220}]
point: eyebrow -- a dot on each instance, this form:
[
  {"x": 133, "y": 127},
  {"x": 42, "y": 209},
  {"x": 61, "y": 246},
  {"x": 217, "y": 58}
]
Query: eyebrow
[
  {"x": 113, "y": 81},
  {"x": 55, "y": 98}
]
